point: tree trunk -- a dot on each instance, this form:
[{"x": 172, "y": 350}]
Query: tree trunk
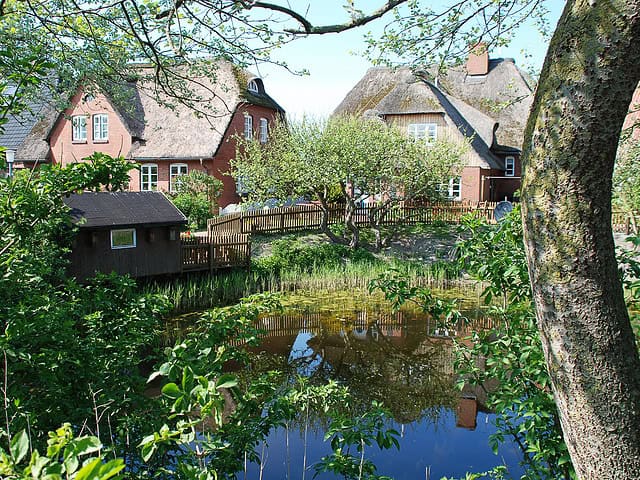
[
  {"x": 585, "y": 88},
  {"x": 349, "y": 214},
  {"x": 324, "y": 220}
]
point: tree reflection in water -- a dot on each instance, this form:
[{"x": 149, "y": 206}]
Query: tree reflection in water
[{"x": 403, "y": 360}]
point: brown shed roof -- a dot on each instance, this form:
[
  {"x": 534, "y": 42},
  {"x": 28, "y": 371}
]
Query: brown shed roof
[{"x": 123, "y": 209}]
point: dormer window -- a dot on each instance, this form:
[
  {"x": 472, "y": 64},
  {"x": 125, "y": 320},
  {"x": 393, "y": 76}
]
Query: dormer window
[
  {"x": 427, "y": 132},
  {"x": 253, "y": 86}
]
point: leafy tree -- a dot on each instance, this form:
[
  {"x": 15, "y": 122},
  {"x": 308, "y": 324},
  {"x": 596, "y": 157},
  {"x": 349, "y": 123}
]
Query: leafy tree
[
  {"x": 69, "y": 353},
  {"x": 366, "y": 160},
  {"x": 197, "y": 197}
]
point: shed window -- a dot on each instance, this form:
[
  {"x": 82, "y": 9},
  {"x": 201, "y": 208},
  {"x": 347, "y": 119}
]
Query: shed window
[
  {"x": 100, "y": 127},
  {"x": 148, "y": 177},
  {"x": 509, "y": 166},
  {"x": 248, "y": 127},
  {"x": 264, "y": 130},
  {"x": 123, "y": 238},
  {"x": 176, "y": 170},
  {"x": 79, "y": 128},
  {"x": 423, "y": 131}
]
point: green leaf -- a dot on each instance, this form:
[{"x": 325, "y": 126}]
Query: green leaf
[
  {"x": 19, "y": 446},
  {"x": 226, "y": 381},
  {"x": 90, "y": 471},
  {"x": 171, "y": 390},
  {"x": 86, "y": 445}
]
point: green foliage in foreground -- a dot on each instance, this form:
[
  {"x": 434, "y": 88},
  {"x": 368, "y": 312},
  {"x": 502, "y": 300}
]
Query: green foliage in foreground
[
  {"x": 67, "y": 457},
  {"x": 215, "y": 421},
  {"x": 506, "y": 362}
]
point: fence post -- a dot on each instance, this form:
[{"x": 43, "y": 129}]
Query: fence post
[
  {"x": 628, "y": 224},
  {"x": 211, "y": 250}
]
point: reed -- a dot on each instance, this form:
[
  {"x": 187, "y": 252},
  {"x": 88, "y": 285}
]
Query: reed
[{"x": 199, "y": 291}]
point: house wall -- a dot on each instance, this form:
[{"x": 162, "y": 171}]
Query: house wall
[
  {"x": 227, "y": 150},
  {"x": 471, "y": 184},
  {"x": 64, "y": 150},
  {"x": 505, "y": 187},
  {"x": 164, "y": 169},
  {"x": 633, "y": 116},
  {"x": 154, "y": 254}
]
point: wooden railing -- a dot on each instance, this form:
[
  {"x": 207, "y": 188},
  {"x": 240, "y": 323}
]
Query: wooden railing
[
  {"x": 309, "y": 217},
  {"x": 215, "y": 251}
]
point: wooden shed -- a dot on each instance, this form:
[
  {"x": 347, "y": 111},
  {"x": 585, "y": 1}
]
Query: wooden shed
[{"x": 135, "y": 233}]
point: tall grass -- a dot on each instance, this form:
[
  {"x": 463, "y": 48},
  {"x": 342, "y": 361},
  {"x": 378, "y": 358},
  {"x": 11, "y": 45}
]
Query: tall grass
[{"x": 294, "y": 266}]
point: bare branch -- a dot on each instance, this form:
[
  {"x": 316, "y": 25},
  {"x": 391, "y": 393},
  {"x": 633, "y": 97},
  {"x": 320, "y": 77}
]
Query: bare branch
[{"x": 309, "y": 29}]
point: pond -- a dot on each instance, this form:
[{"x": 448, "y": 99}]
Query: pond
[{"x": 402, "y": 359}]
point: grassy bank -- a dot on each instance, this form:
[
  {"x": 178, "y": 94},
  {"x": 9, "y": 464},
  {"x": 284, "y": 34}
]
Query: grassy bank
[{"x": 290, "y": 264}]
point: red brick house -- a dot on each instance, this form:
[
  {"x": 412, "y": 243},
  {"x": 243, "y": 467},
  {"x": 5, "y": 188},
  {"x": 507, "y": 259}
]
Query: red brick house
[
  {"x": 165, "y": 138},
  {"x": 485, "y": 101}
]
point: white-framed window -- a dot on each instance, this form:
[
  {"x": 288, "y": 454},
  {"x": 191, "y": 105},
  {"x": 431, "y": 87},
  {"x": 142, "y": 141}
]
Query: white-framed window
[
  {"x": 264, "y": 130},
  {"x": 248, "y": 127},
  {"x": 253, "y": 86},
  {"x": 123, "y": 238},
  {"x": 100, "y": 127},
  {"x": 148, "y": 177},
  {"x": 423, "y": 131},
  {"x": 509, "y": 166},
  {"x": 452, "y": 189},
  {"x": 79, "y": 128},
  {"x": 176, "y": 170}
]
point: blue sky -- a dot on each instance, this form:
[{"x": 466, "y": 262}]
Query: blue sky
[{"x": 335, "y": 65}]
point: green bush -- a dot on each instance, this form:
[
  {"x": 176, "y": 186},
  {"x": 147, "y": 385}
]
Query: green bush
[
  {"x": 196, "y": 208},
  {"x": 291, "y": 254}
]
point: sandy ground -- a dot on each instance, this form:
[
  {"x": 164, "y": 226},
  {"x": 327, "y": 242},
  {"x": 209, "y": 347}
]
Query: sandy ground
[{"x": 428, "y": 247}]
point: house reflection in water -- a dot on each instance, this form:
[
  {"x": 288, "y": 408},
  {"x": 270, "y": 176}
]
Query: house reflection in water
[{"x": 401, "y": 359}]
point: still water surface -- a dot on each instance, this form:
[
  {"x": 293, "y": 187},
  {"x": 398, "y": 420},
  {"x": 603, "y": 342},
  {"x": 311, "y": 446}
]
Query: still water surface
[{"x": 402, "y": 359}]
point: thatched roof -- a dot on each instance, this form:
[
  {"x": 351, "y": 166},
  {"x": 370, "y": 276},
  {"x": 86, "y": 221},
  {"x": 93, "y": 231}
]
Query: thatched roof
[
  {"x": 161, "y": 126},
  {"x": 503, "y": 95},
  {"x": 384, "y": 91},
  {"x": 26, "y": 132},
  {"x": 474, "y": 125},
  {"x": 169, "y": 129}
]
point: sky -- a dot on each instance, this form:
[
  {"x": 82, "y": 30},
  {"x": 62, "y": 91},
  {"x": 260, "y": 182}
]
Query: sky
[{"x": 335, "y": 61}]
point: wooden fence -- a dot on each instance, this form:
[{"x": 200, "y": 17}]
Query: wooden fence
[
  {"x": 625, "y": 222},
  {"x": 309, "y": 217},
  {"x": 215, "y": 251}
]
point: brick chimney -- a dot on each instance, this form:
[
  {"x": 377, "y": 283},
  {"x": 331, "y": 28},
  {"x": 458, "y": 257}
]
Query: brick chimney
[{"x": 478, "y": 61}]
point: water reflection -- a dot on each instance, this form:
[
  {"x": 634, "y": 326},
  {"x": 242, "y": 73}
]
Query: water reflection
[{"x": 404, "y": 360}]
